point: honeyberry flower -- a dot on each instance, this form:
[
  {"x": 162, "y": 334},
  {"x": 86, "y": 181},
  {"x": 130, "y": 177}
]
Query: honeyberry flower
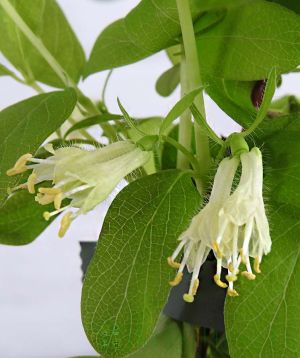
[
  {"x": 243, "y": 224},
  {"x": 197, "y": 239},
  {"x": 85, "y": 177}
]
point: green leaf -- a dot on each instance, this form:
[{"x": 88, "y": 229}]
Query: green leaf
[
  {"x": 168, "y": 81},
  {"x": 126, "y": 284},
  {"x": 48, "y": 23},
  {"x": 263, "y": 321},
  {"x": 164, "y": 343},
  {"x": 250, "y": 41},
  {"x": 21, "y": 219},
  {"x": 150, "y": 27},
  {"x": 234, "y": 98},
  {"x": 183, "y": 104},
  {"x": 25, "y": 125}
]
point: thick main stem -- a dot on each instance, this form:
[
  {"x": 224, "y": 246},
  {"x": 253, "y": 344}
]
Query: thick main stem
[
  {"x": 185, "y": 124},
  {"x": 193, "y": 82}
]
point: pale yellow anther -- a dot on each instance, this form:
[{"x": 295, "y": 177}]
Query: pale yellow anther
[
  {"x": 218, "y": 281},
  {"x": 230, "y": 267},
  {"x": 257, "y": 265},
  {"x": 177, "y": 279},
  {"x": 173, "y": 263},
  {"x": 65, "y": 223},
  {"x": 51, "y": 191},
  {"x": 44, "y": 199},
  {"x": 188, "y": 298},
  {"x": 248, "y": 275},
  {"x": 20, "y": 166},
  {"x": 231, "y": 278},
  {"x": 217, "y": 249},
  {"x": 47, "y": 215},
  {"x": 31, "y": 183},
  {"x": 57, "y": 200},
  {"x": 195, "y": 287},
  {"x": 232, "y": 293}
]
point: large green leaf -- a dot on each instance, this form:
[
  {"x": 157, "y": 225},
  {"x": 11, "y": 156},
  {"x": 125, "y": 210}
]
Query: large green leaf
[
  {"x": 126, "y": 284},
  {"x": 150, "y": 27},
  {"x": 48, "y": 23},
  {"x": 250, "y": 41},
  {"x": 263, "y": 321},
  {"x": 21, "y": 219},
  {"x": 25, "y": 125}
]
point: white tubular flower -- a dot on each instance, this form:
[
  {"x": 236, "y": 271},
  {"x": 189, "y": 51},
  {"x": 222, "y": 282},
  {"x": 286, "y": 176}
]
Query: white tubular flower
[
  {"x": 243, "y": 225},
  {"x": 196, "y": 240},
  {"x": 86, "y": 177}
]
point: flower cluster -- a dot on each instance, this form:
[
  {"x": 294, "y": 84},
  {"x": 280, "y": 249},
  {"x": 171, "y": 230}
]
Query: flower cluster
[
  {"x": 85, "y": 177},
  {"x": 233, "y": 224}
]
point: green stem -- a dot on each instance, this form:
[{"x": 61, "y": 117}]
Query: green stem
[
  {"x": 194, "y": 81},
  {"x": 184, "y": 151},
  {"x": 185, "y": 124}
]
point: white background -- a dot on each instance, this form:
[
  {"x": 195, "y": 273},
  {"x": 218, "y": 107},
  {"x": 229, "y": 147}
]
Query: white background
[{"x": 40, "y": 284}]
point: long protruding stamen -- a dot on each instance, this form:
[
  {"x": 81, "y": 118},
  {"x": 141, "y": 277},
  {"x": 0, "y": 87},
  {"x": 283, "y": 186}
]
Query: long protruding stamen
[
  {"x": 231, "y": 276},
  {"x": 186, "y": 256},
  {"x": 47, "y": 215},
  {"x": 178, "y": 249},
  {"x": 179, "y": 275},
  {"x": 173, "y": 264},
  {"x": 217, "y": 276},
  {"x": 171, "y": 259},
  {"x": 217, "y": 250},
  {"x": 21, "y": 186},
  {"x": 245, "y": 251},
  {"x": 177, "y": 279},
  {"x": 231, "y": 291},
  {"x": 189, "y": 297}
]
